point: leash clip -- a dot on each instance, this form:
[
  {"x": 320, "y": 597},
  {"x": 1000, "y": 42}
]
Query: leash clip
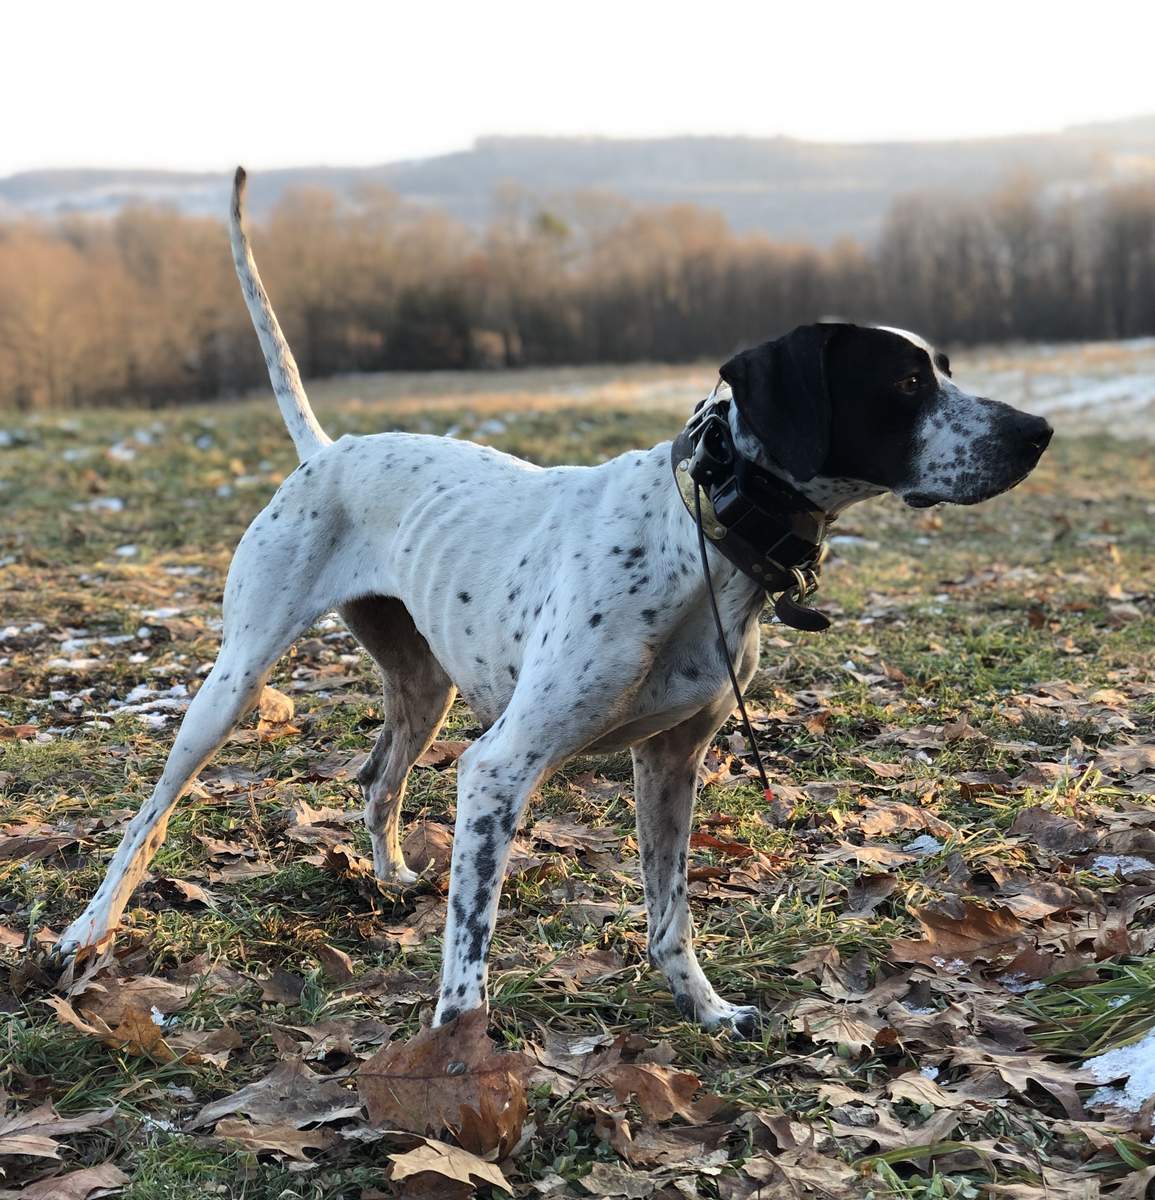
[{"x": 790, "y": 607}]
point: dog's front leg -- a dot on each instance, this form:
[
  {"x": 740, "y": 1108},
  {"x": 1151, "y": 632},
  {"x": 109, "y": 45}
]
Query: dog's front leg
[
  {"x": 495, "y": 777},
  {"x": 665, "y": 782}
]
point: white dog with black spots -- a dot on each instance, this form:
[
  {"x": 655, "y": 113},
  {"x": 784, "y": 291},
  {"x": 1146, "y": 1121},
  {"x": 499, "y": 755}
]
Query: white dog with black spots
[{"x": 567, "y": 606}]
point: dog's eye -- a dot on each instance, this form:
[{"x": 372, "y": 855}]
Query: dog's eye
[{"x": 909, "y": 385}]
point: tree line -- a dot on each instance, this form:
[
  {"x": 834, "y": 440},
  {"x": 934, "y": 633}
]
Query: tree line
[{"x": 143, "y": 308}]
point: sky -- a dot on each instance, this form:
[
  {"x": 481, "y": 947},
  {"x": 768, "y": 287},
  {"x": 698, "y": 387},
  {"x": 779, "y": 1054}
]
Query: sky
[{"x": 207, "y": 84}]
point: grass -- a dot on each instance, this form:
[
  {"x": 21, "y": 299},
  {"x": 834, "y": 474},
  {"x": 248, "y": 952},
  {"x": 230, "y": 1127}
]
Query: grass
[{"x": 944, "y": 617}]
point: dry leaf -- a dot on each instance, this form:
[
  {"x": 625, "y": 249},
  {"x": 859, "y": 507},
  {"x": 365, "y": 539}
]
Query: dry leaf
[
  {"x": 883, "y": 770},
  {"x": 281, "y": 987},
  {"x": 1021, "y": 1069},
  {"x": 1054, "y": 832},
  {"x": 336, "y": 964},
  {"x": 614, "y": 1179},
  {"x": 569, "y": 835},
  {"x": 291, "y": 1094},
  {"x": 450, "y": 1162},
  {"x": 33, "y": 846},
  {"x": 211, "y": 1046},
  {"x": 274, "y": 707},
  {"x": 110, "y": 996},
  {"x": 583, "y": 966},
  {"x": 442, "y": 753},
  {"x": 422, "y": 1085},
  {"x": 428, "y": 846},
  {"x": 883, "y": 818},
  {"x": 89, "y": 1183},
  {"x": 282, "y": 1138},
  {"x": 707, "y": 841},
  {"x": 839, "y": 1024},
  {"x": 34, "y": 1133},
  {"x": 661, "y": 1091},
  {"x": 136, "y": 1031},
  {"x": 957, "y": 931}
]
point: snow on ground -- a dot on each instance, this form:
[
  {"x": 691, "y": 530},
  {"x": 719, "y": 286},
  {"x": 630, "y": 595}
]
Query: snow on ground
[{"x": 1135, "y": 1064}]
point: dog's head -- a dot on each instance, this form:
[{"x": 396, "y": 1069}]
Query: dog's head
[{"x": 878, "y": 406}]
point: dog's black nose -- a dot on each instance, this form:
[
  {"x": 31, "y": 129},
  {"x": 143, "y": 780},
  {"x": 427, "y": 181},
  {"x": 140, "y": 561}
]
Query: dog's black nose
[{"x": 1035, "y": 431}]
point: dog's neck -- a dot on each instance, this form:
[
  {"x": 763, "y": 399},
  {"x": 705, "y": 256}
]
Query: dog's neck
[{"x": 831, "y": 494}]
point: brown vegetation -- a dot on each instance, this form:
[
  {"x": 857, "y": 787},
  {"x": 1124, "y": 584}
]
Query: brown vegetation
[{"x": 144, "y": 308}]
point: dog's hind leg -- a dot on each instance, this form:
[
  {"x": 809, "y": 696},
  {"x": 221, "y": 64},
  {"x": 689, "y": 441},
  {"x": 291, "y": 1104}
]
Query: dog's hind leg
[
  {"x": 665, "y": 782},
  {"x": 262, "y": 617},
  {"x": 417, "y": 695}
]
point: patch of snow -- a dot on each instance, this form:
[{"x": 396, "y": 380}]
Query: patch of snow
[
  {"x": 184, "y": 570},
  {"x": 928, "y": 1072},
  {"x": 104, "y": 504},
  {"x": 1136, "y": 1064},
  {"x": 1121, "y": 864},
  {"x": 923, "y": 845},
  {"x": 128, "y": 551},
  {"x": 122, "y": 452},
  {"x": 1017, "y": 983},
  {"x": 954, "y": 965},
  {"x": 161, "y": 614},
  {"x": 76, "y": 453},
  {"x": 1118, "y": 1002}
]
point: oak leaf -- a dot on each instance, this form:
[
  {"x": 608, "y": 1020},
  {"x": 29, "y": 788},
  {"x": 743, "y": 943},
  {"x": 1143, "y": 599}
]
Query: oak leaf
[{"x": 450, "y": 1162}]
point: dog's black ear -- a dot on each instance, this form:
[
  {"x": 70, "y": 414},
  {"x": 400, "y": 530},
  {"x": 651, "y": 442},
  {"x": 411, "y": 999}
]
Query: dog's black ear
[{"x": 780, "y": 390}]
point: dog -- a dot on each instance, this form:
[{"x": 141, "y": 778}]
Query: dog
[{"x": 567, "y": 605}]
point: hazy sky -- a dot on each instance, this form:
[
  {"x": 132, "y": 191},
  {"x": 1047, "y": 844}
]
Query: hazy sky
[{"x": 207, "y": 84}]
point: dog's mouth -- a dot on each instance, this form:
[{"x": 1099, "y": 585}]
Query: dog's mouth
[
  {"x": 922, "y": 500},
  {"x": 929, "y": 499}
]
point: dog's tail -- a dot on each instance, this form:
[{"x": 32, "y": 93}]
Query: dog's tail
[{"x": 306, "y": 432}]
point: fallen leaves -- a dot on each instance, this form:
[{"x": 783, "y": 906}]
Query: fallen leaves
[
  {"x": 661, "y": 1092},
  {"x": 275, "y": 715},
  {"x": 449, "y": 1078},
  {"x": 35, "y": 1133},
  {"x": 136, "y": 1032},
  {"x": 291, "y": 1094},
  {"x": 957, "y": 931},
  {"x": 31, "y": 842},
  {"x": 448, "y": 1162},
  {"x": 570, "y": 835},
  {"x": 281, "y": 1138},
  {"x": 88, "y": 1183}
]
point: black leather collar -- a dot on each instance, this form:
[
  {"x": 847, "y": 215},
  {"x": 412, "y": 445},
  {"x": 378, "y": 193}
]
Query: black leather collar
[{"x": 768, "y": 529}]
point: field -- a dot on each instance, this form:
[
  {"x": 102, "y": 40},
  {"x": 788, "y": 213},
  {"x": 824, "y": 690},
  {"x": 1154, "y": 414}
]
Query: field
[{"x": 948, "y": 909}]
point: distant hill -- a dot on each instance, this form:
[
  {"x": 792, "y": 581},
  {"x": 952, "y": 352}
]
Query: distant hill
[{"x": 804, "y": 191}]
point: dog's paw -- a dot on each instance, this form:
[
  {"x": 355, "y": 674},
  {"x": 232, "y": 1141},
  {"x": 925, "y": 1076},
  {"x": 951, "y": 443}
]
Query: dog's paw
[
  {"x": 718, "y": 1016},
  {"x": 743, "y": 1021},
  {"x": 397, "y": 876},
  {"x": 85, "y": 937}
]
